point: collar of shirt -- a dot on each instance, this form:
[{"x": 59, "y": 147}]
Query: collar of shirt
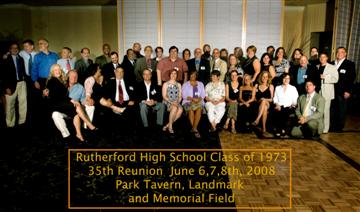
[
  {"x": 197, "y": 61},
  {"x": 311, "y": 95},
  {"x": 303, "y": 68},
  {"x": 175, "y": 59},
  {"x": 338, "y": 63}
]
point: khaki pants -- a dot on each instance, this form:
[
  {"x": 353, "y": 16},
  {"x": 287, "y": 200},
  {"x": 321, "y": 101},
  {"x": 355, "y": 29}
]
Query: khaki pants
[{"x": 20, "y": 94}]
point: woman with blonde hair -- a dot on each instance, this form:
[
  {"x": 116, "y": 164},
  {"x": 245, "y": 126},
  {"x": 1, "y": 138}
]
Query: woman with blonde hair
[
  {"x": 264, "y": 97},
  {"x": 59, "y": 101},
  {"x": 247, "y": 100}
]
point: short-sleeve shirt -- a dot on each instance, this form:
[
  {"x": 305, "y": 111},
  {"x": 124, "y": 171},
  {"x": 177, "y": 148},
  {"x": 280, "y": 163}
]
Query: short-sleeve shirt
[
  {"x": 215, "y": 91},
  {"x": 166, "y": 65}
]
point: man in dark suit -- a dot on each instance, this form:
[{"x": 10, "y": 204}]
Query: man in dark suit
[
  {"x": 82, "y": 64},
  {"x": 120, "y": 98},
  {"x": 15, "y": 86},
  {"x": 201, "y": 65},
  {"x": 343, "y": 88},
  {"x": 128, "y": 65},
  {"x": 145, "y": 63},
  {"x": 108, "y": 70},
  {"x": 302, "y": 73},
  {"x": 136, "y": 49},
  {"x": 149, "y": 97}
]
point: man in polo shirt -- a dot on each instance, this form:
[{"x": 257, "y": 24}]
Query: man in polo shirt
[{"x": 169, "y": 63}]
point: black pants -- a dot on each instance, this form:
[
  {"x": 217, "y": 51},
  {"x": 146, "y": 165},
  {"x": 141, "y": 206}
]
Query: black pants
[
  {"x": 40, "y": 113},
  {"x": 338, "y": 113},
  {"x": 125, "y": 122},
  {"x": 281, "y": 119}
]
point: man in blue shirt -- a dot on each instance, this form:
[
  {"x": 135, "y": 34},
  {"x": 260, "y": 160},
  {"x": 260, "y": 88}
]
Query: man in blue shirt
[
  {"x": 39, "y": 73},
  {"x": 42, "y": 64}
]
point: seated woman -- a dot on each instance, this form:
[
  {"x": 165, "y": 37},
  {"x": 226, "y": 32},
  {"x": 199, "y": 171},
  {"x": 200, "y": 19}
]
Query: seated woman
[
  {"x": 61, "y": 101},
  {"x": 232, "y": 97},
  {"x": 215, "y": 97},
  {"x": 264, "y": 98},
  {"x": 285, "y": 100},
  {"x": 247, "y": 100},
  {"x": 193, "y": 93},
  {"x": 171, "y": 92},
  {"x": 93, "y": 89}
]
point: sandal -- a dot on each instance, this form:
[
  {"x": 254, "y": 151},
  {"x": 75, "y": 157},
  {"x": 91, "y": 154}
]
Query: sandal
[
  {"x": 197, "y": 134},
  {"x": 233, "y": 131},
  {"x": 171, "y": 131},
  {"x": 165, "y": 128},
  {"x": 225, "y": 127},
  {"x": 212, "y": 129}
]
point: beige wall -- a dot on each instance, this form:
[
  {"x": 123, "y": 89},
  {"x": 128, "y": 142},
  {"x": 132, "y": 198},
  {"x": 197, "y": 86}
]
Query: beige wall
[
  {"x": 72, "y": 26},
  {"x": 293, "y": 27},
  {"x": 299, "y": 22}
]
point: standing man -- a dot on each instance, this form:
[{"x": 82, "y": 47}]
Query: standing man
[
  {"x": 207, "y": 52},
  {"x": 202, "y": 67},
  {"x": 105, "y": 58},
  {"x": 28, "y": 54},
  {"x": 82, "y": 64},
  {"x": 170, "y": 63},
  {"x": 128, "y": 64},
  {"x": 108, "y": 71},
  {"x": 218, "y": 64},
  {"x": 328, "y": 76},
  {"x": 146, "y": 63},
  {"x": 66, "y": 62},
  {"x": 15, "y": 86},
  {"x": 137, "y": 48},
  {"x": 42, "y": 64},
  {"x": 302, "y": 73},
  {"x": 343, "y": 88}
]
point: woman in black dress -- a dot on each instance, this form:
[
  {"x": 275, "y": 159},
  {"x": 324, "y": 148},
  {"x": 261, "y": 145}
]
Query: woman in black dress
[
  {"x": 247, "y": 100},
  {"x": 264, "y": 97},
  {"x": 58, "y": 98}
]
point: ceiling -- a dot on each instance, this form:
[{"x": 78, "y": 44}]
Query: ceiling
[
  {"x": 303, "y": 2},
  {"x": 59, "y": 2},
  {"x": 113, "y": 2}
]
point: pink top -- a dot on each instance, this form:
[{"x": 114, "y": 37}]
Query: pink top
[{"x": 89, "y": 83}]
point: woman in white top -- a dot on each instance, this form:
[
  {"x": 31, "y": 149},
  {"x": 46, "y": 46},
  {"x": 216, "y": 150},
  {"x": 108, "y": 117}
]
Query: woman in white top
[
  {"x": 215, "y": 97},
  {"x": 285, "y": 100}
]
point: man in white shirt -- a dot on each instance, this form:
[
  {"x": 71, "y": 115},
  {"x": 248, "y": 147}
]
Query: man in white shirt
[
  {"x": 285, "y": 100},
  {"x": 329, "y": 76},
  {"x": 120, "y": 98},
  {"x": 28, "y": 55},
  {"x": 66, "y": 62}
]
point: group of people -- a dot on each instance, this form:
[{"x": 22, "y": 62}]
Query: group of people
[{"x": 289, "y": 96}]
